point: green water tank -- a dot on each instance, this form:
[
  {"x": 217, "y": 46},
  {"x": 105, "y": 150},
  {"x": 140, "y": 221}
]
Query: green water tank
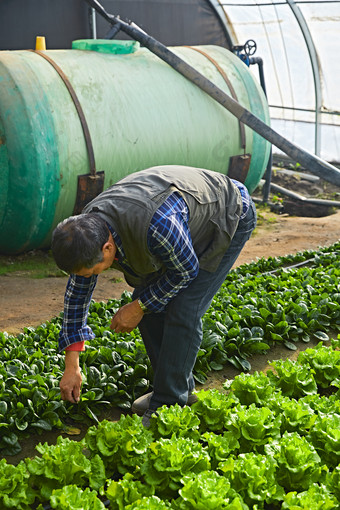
[{"x": 139, "y": 111}]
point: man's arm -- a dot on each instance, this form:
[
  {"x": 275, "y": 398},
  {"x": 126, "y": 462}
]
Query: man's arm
[
  {"x": 75, "y": 332},
  {"x": 71, "y": 381},
  {"x": 77, "y": 300}
]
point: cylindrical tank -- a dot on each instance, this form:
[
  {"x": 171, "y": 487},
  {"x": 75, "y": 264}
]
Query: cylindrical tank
[{"x": 140, "y": 113}]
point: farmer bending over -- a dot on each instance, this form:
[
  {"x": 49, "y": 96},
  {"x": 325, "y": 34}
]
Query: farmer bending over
[{"x": 175, "y": 232}]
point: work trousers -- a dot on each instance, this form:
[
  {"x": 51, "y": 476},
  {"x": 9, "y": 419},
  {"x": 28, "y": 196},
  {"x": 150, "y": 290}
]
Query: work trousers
[{"x": 173, "y": 337}]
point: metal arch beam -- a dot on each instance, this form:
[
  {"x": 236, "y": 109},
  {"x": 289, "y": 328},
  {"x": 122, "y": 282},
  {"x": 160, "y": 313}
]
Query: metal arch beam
[
  {"x": 315, "y": 68},
  {"x": 223, "y": 18}
]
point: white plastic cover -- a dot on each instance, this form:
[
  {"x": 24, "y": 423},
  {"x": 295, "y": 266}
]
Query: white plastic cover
[{"x": 293, "y": 39}]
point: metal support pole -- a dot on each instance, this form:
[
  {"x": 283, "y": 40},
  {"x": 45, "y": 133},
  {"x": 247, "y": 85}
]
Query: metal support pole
[
  {"x": 316, "y": 71},
  {"x": 93, "y": 23}
]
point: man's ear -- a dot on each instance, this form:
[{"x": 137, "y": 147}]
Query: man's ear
[{"x": 109, "y": 248}]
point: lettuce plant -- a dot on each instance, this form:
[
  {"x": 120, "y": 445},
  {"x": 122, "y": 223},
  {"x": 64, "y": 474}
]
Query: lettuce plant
[
  {"x": 253, "y": 427},
  {"x": 71, "y": 497},
  {"x": 315, "y": 498},
  {"x": 325, "y": 363},
  {"x": 297, "y": 416},
  {"x": 251, "y": 388},
  {"x": 126, "y": 491},
  {"x": 122, "y": 445},
  {"x": 181, "y": 421},
  {"x": 168, "y": 460},
  {"x": 325, "y": 436},
  {"x": 298, "y": 464},
  {"x": 62, "y": 464},
  {"x": 212, "y": 409},
  {"x": 220, "y": 446},
  {"x": 253, "y": 476},
  {"x": 149, "y": 503},
  {"x": 322, "y": 405},
  {"x": 208, "y": 491},
  {"x": 15, "y": 491},
  {"x": 293, "y": 379},
  {"x": 333, "y": 482}
]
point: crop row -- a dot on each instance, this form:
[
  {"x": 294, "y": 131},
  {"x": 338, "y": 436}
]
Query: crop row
[
  {"x": 265, "y": 441},
  {"x": 259, "y": 305}
]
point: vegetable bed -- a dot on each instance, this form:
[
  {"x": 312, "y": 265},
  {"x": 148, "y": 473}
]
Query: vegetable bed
[
  {"x": 266, "y": 441},
  {"x": 260, "y": 304}
]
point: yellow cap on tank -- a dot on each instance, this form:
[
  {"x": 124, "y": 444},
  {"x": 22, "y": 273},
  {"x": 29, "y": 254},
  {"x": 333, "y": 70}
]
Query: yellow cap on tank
[{"x": 40, "y": 43}]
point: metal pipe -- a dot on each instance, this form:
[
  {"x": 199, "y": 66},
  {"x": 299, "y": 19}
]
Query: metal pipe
[
  {"x": 313, "y": 163},
  {"x": 93, "y": 23},
  {"x": 296, "y": 196},
  {"x": 315, "y": 69},
  {"x": 268, "y": 173}
]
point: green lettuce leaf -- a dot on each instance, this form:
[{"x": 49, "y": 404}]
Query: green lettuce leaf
[
  {"x": 253, "y": 476},
  {"x": 298, "y": 464},
  {"x": 71, "y": 497}
]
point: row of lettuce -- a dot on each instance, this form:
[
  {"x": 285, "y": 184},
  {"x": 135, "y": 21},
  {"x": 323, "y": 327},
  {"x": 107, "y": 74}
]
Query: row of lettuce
[
  {"x": 279, "y": 300},
  {"x": 267, "y": 440}
]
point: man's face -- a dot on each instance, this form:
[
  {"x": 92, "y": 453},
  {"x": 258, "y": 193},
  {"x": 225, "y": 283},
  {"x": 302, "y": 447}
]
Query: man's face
[{"x": 109, "y": 252}]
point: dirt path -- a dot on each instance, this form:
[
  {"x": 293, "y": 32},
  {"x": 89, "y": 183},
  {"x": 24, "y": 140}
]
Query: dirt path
[{"x": 30, "y": 302}]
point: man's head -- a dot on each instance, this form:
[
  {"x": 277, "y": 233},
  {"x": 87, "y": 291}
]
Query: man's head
[{"x": 83, "y": 245}]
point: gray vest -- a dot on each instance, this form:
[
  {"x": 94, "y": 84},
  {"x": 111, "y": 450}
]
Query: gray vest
[{"x": 214, "y": 204}]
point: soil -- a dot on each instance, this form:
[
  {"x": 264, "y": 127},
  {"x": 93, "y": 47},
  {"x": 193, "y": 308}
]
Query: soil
[{"x": 30, "y": 302}]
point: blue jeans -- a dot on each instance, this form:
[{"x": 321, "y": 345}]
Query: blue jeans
[{"x": 173, "y": 337}]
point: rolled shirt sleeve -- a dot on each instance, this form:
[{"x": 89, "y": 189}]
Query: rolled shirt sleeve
[{"x": 77, "y": 300}]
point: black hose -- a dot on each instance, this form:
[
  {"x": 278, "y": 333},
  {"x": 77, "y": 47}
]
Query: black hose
[{"x": 313, "y": 163}]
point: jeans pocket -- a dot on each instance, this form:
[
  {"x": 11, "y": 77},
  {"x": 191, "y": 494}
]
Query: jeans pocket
[{"x": 248, "y": 223}]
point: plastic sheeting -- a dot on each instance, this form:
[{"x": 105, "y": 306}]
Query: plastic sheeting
[{"x": 281, "y": 30}]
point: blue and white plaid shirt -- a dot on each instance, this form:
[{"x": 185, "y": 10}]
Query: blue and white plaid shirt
[{"x": 169, "y": 238}]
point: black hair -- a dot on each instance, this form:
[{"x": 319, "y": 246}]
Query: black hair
[{"x": 77, "y": 242}]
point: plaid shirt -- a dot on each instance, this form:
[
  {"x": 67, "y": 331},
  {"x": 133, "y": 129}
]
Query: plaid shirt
[{"x": 169, "y": 239}]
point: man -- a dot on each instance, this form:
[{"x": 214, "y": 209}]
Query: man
[{"x": 175, "y": 232}]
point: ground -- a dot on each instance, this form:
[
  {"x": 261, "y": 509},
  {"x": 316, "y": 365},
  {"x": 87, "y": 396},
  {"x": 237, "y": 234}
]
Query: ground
[{"x": 30, "y": 302}]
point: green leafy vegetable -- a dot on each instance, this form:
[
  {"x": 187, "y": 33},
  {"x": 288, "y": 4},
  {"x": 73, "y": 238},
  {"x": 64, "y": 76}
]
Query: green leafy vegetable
[
  {"x": 62, "y": 464},
  {"x": 208, "y": 491},
  {"x": 325, "y": 436},
  {"x": 253, "y": 476},
  {"x": 251, "y": 389},
  {"x": 315, "y": 498},
  {"x": 71, "y": 497},
  {"x": 325, "y": 363},
  {"x": 220, "y": 446},
  {"x": 168, "y": 460},
  {"x": 15, "y": 491},
  {"x": 122, "y": 445},
  {"x": 181, "y": 421},
  {"x": 253, "y": 427},
  {"x": 212, "y": 409},
  {"x": 126, "y": 491},
  {"x": 298, "y": 464},
  {"x": 293, "y": 379}
]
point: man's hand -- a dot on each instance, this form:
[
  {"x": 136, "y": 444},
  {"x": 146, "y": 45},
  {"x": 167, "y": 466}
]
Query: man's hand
[
  {"x": 127, "y": 318},
  {"x": 71, "y": 381}
]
